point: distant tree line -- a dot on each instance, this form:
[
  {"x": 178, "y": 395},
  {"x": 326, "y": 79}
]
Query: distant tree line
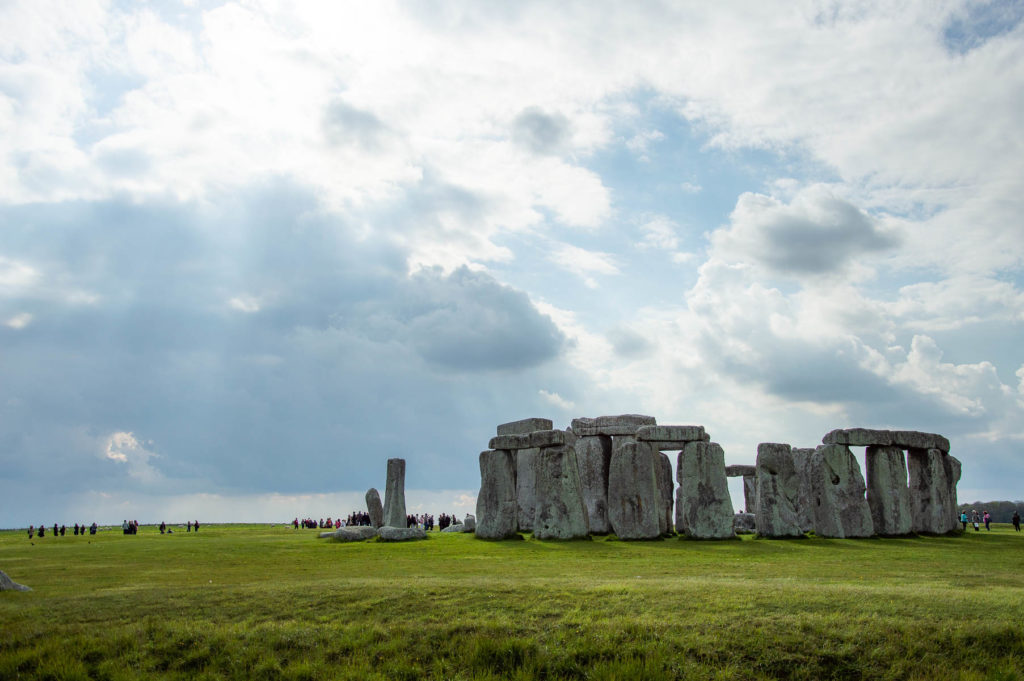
[{"x": 1001, "y": 511}]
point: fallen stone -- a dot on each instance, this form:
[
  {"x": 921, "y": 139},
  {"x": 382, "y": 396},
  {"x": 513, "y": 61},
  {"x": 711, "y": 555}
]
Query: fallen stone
[
  {"x": 912, "y": 439},
  {"x": 524, "y": 426},
  {"x": 7, "y": 584},
  {"x": 671, "y": 433},
  {"x": 560, "y": 512},
  {"x": 888, "y": 494},
  {"x": 593, "y": 455},
  {"x": 496, "y": 508},
  {"x": 350, "y": 534},
  {"x": 663, "y": 476},
  {"x": 457, "y": 527},
  {"x": 401, "y": 533},
  {"x": 931, "y": 490},
  {"x": 623, "y": 424},
  {"x": 633, "y": 500},
  {"x": 740, "y": 471},
  {"x": 374, "y": 507},
  {"x": 858, "y": 437},
  {"x": 805, "y": 500},
  {"x": 778, "y": 491},
  {"x": 744, "y": 523},
  {"x": 703, "y": 505},
  {"x": 394, "y": 494},
  {"x": 526, "y": 486},
  {"x": 469, "y": 523},
  {"x": 840, "y": 508}
]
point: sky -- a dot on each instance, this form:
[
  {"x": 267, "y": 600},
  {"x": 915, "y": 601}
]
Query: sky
[{"x": 251, "y": 250}]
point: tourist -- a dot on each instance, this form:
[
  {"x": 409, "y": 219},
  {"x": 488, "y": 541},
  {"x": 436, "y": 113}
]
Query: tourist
[
  {"x": 163, "y": 527},
  {"x": 963, "y": 518},
  {"x": 92, "y": 528},
  {"x": 974, "y": 520},
  {"x": 55, "y": 529},
  {"x": 32, "y": 528},
  {"x": 988, "y": 519},
  {"x": 1016, "y": 521},
  {"x": 76, "y": 529},
  {"x": 42, "y": 531},
  {"x": 195, "y": 524},
  {"x": 124, "y": 526}
]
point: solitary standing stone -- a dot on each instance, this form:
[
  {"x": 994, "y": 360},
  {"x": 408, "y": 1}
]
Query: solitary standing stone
[
  {"x": 703, "y": 505},
  {"x": 526, "y": 486},
  {"x": 840, "y": 509},
  {"x": 888, "y": 495},
  {"x": 778, "y": 491},
  {"x": 394, "y": 494},
  {"x": 633, "y": 504},
  {"x": 496, "y": 508},
  {"x": 374, "y": 508},
  {"x": 663, "y": 475},
  {"x": 560, "y": 513},
  {"x": 594, "y": 455}
]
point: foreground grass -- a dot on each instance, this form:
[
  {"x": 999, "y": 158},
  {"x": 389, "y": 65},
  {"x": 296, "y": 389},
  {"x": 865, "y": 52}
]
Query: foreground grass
[{"x": 257, "y": 602}]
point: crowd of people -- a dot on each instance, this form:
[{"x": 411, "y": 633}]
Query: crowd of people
[
  {"x": 61, "y": 530},
  {"x": 424, "y": 520}
]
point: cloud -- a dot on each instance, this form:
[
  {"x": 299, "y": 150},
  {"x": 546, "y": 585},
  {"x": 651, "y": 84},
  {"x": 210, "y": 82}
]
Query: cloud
[
  {"x": 540, "y": 132},
  {"x": 817, "y": 233},
  {"x": 584, "y": 263},
  {"x": 629, "y": 344},
  {"x": 124, "y": 448}
]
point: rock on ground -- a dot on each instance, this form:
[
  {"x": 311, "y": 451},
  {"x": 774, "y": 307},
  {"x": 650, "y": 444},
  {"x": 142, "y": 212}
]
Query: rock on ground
[
  {"x": 594, "y": 455},
  {"x": 837, "y": 494},
  {"x": 496, "y": 507},
  {"x": 560, "y": 512},
  {"x": 8, "y": 584},
  {"x": 744, "y": 523},
  {"x": 354, "y": 533},
  {"x": 470, "y": 522},
  {"x": 374, "y": 507},
  {"x": 633, "y": 500},
  {"x": 401, "y": 533},
  {"x": 888, "y": 494},
  {"x": 394, "y": 494},
  {"x": 457, "y": 527},
  {"x": 778, "y": 491},
  {"x": 703, "y": 505}
]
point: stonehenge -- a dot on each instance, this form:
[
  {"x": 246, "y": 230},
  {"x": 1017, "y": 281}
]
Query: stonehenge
[
  {"x": 394, "y": 494},
  {"x": 610, "y": 474},
  {"x": 374, "y": 508}
]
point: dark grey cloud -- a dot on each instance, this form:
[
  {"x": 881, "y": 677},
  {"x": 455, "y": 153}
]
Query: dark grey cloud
[
  {"x": 345, "y": 124},
  {"x": 541, "y": 132},
  {"x": 339, "y": 361}
]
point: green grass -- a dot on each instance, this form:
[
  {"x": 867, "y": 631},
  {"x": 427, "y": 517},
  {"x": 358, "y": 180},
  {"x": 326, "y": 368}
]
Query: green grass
[{"x": 254, "y": 602}]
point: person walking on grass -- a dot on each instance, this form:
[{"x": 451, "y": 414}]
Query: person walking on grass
[
  {"x": 1016, "y": 521},
  {"x": 988, "y": 519},
  {"x": 963, "y": 518},
  {"x": 975, "y": 519}
]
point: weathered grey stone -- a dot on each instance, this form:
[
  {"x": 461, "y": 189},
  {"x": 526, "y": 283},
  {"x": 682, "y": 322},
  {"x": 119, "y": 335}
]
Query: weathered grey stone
[
  {"x": 750, "y": 492},
  {"x": 623, "y": 424},
  {"x": 840, "y": 508},
  {"x": 457, "y": 527},
  {"x": 570, "y": 437},
  {"x": 470, "y": 523},
  {"x": 633, "y": 503},
  {"x": 703, "y": 505},
  {"x": 778, "y": 491},
  {"x": 496, "y": 508},
  {"x": 547, "y": 438},
  {"x": 350, "y": 534},
  {"x": 593, "y": 455},
  {"x": 912, "y": 439},
  {"x": 744, "y": 523},
  {"x": 663, "y": 476},
  {"x": 374, "y": 507},
  {"x": 560, "y": 513},
  {"x": 802, "y": 463},
  {"x": 932, "y": 490},
  {"x": 671, "y": 433},
  {"x": 858, "y": 437},
  {"x": 7, "y": 584},
  {"x": 510, "y": 442},
  {"x": 524, "y": 426},
  {"x": 394, "y": 494},
  {"x": 401, "y": 533},
  {"x": 740, "y": 471},
  {"x": 888, "y": 494},
  {"x": 540, "y": 438},
  {"x": 526, "y": 486}
]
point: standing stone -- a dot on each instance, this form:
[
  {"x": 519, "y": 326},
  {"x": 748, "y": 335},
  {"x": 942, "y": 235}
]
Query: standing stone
[
  {"x": 703, "y": 505},
  {"x": 749, "y": 493},
  {"x": 594, "y": 455},
  {"x": 778, "y": 492},
  {"x": 560, "y": 511},
  {"x": 526, "y": 486},
  {"x": 469, "y": 523},
  {"x": 953, "y": 477},
  {"x": 888, "y": 494},
  {"x": 633, "y": 504},
  {"x": 802, "y": 462},
  {"x": 496, "y": 508},
  {"x": 663, "y": 476},
  {"x": 929, "y": 491},
  {"x": 374, "y": 508},
  {"x": 394, "y": 494},
  {"x": 840, "y": 508}
]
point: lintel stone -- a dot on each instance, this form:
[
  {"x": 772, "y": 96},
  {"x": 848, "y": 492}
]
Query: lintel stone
[
  {"x": 740, "y": 471},
  {"x": 623, "y": 424},
  {"x": 672, "y": 434},
  {"x": 524, "y": 426}
]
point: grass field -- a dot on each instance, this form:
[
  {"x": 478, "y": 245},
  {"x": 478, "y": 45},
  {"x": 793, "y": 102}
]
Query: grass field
[{"x": 263, "y": 602}]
